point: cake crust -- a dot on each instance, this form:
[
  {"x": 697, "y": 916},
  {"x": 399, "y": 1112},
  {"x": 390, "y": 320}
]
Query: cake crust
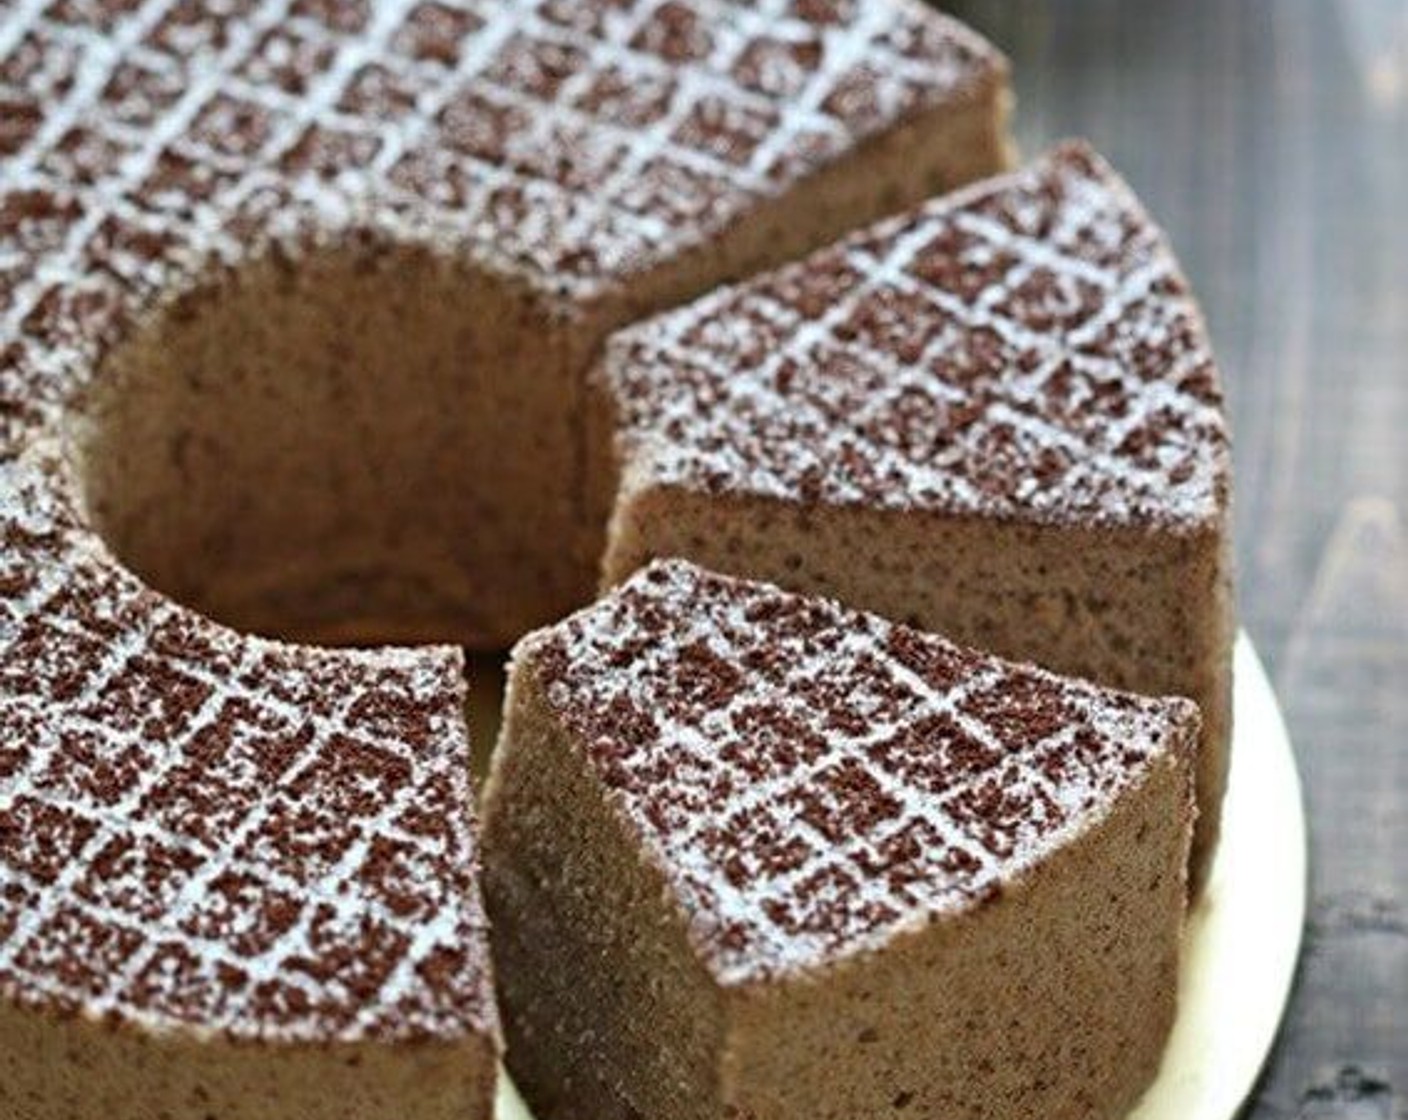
[{"x": 229, "y": 862}]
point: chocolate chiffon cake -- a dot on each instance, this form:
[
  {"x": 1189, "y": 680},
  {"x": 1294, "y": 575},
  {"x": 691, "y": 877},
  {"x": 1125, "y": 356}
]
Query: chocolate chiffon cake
[
  {"x": 300, "y": 304},
  {"x": 753, "y": 854},
  {"x": 996, "y": 417}
]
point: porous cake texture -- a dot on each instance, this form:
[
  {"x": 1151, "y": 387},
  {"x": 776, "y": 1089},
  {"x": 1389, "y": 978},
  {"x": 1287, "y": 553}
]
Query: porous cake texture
[
  {"x": 322, "y": 278},
  {"x": 237, "y": 878},
  {"x": 996, "y": 416},
  {"x": 754, "y": 854}
]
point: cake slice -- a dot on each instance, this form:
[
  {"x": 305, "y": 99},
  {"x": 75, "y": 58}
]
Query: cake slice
[
  {"x": 754, "y": 854},
  {"x": 238, "y": 879},
  {"x": 996, "y": 417}
]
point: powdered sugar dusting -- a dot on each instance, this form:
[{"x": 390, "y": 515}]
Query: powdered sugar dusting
[
  {"x": 813, "y": 779},
  {"x": 219, "y": 831},
  {"x": 1026, "y": 348},
  {"x": 566, "y": 143}
]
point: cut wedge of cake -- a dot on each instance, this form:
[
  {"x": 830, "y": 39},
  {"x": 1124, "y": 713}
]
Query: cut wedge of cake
[
  {"x": 755, "y": 854},
  {"x": 996, "y": 417}
]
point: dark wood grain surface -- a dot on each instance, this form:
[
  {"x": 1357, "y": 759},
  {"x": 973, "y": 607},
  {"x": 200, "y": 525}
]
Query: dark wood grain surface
[{"x": 1270, "y": 137}]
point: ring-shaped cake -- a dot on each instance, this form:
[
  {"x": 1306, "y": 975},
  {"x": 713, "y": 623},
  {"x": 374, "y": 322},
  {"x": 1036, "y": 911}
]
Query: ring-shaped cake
[{"x": 300, "y": 304}]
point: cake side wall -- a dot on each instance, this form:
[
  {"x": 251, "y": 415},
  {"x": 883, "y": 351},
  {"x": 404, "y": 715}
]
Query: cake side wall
[
  {"x": 1050, "y": 1002},
  {"x": 1145, "y": 610},
  {"x": 1213, "y": 604},
  {"x": 84, "y": 1070},
  {"x": 607, "y": 1012}
]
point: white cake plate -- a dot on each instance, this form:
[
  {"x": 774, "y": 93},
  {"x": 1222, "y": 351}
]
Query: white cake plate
[{"x": 1243, "y": 937}]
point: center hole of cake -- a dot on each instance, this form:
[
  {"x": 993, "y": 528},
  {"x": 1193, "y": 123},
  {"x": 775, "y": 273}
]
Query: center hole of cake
[{"x": 370, "y": 445}]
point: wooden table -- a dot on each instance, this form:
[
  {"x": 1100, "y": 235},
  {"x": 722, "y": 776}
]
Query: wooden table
[{"x": 1270, "y": 137}]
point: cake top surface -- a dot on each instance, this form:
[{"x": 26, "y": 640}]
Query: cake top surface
[
  {"x": 203, "y": 829},
  {"x": 568, "y": 143},
  {"x": 1025, "y": 348},
  {"x": 813, "y": 780}
]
